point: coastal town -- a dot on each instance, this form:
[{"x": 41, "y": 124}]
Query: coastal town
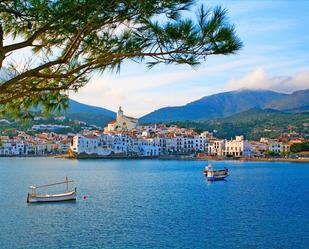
[
  {"x": 125, "y": 138},
  {"x": 154, "y": 124}
]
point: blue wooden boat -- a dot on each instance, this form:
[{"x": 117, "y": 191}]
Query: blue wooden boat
[{"x": 215, "y": 175}]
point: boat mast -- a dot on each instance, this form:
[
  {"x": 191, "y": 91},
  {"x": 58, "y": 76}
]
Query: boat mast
[{"x": 67, "y": 183}]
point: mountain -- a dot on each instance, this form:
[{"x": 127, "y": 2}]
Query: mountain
[
  {"x": 253, "y": 124},
  {"x": 296, "y": 102},
  {"x": 77, "y": 107},
  {"x": 215, "y": 106},
  {"x": 90, "y": 114}
]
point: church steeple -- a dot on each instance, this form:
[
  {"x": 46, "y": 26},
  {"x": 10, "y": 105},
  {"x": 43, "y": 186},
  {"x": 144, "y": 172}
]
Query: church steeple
[{"x": 120, "y": 112}]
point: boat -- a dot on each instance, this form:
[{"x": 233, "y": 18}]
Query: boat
[
  {"x": 34, "y": 197},
  {"x": 215, "y": 175}
]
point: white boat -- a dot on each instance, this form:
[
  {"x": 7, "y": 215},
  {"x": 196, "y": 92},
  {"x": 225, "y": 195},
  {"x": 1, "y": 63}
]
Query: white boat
[
  {"x": 215, "y": 175},
  {"x": 68, "y": 195}
]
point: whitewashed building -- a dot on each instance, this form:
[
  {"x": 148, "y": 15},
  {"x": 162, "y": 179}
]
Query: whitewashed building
[
  {"x": 117, "y": 144},
  {"x": 148, "y": 147},
  {"x": 215, "y": 147},
  {"x": 89, "y": 145},
  {"x": 278, "y": 147},
  {"x": 237, "y": 147},
  {"x": 13, "y": 149}
]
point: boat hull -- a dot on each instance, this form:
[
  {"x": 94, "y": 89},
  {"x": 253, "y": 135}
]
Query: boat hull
[
  {"x": 216, "y": 175},
  {"x": 69, "y": 196},
  {"x": 216, "y": 178}
]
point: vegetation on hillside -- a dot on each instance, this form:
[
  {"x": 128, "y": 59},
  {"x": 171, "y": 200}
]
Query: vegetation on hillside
[
  {"x": 254, "y": 124},
  {"x": 299, "y": 147},
  {"x": 228, "y": 103},
  {"x": 26, "y": 126}
]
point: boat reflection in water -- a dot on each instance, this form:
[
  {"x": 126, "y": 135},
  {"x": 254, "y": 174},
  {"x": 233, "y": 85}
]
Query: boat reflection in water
[
  {"x": 68, "y": 195},
  {"x": 215, "y": 175}
]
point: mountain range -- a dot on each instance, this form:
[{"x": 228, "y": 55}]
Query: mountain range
[
  {"x": 253, "y": 113},
  {"x": 229, "y": 103},
  {"x": 90, "y": 114},
  {"x": 211, "y": 107}
]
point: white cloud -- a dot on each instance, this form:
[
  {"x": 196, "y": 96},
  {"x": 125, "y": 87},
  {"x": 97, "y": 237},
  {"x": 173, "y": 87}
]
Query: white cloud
[
  {"x": 260, "y": 79},
  {"x": 144, "y": 91}
]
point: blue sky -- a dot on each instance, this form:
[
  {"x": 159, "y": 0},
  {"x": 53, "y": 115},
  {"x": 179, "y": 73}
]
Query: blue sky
[{"x": 275, "y": 56}]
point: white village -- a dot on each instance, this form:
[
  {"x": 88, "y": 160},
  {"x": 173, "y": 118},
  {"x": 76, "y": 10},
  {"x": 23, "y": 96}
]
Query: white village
[{"x": 124, "y": 137}]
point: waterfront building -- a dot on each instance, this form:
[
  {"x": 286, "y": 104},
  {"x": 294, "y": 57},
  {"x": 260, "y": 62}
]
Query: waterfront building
[
  {"x": 85, "y": 144},
  {"x": 278, "y": 147},
  {"x": 6, "y": 149},
  {"x": 259, "y": 148},
  {"x": 117, "y": 144},
  {"x": 13, "y": 149},
  {"x": 215, "y": 147},
  {"x": 62, "y": 146},
  {"x": 145, "y": 141},
  {"x": 148, "y": 147},
  {"x": 237, "y": 147}
]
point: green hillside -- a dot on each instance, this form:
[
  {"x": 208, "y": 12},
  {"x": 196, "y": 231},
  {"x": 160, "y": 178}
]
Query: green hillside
[
  {"x": 254, "y": 123},
  {"x": 228, "y": 103},
  {"x": 295, "y": 102},
  {"x": 92, "y": 115}
]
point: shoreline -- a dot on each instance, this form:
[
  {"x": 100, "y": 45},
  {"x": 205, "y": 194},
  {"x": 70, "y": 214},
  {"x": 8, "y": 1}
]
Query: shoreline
[
  {"x": 180, "y": 158},
  {"x": 257, "y": 159}
]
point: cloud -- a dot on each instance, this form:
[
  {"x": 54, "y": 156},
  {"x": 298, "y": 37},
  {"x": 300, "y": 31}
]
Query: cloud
[
  {"x": 260, "y": 79},
  {"x": 141, "y": 92}
]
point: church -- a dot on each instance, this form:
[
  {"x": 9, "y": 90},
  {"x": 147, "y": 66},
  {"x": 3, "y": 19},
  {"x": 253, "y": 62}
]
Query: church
[{"x": 122, "y": 123}]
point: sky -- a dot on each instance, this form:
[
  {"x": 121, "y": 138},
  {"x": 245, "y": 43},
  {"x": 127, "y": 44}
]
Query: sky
[{"x": 275, "y": 56}]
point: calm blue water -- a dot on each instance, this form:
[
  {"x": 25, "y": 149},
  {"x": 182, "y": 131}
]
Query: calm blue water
[{"x": 156, "y": 204}]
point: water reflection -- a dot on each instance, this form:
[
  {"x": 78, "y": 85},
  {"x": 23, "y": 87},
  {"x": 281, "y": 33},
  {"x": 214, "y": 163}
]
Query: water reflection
[{"x": 208, "y": 182}]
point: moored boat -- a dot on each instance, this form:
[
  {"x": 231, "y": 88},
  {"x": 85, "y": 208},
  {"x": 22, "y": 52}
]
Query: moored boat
[
  {"x": 215, "y": 175},
  {"x": 35, "y": 197}
]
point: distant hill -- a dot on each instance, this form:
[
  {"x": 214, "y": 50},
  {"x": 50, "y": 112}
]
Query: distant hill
[
  {"x": 296, "y": 102},
  {"x": 77, "y": 111},
  {"x": 229, "y": 103},
  {"x": 87, "y": 113},
  {"x": 254, "y": 124},
  {"x": 90, "y": 114}
]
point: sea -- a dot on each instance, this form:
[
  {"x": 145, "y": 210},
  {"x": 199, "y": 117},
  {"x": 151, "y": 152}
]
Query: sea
[{"x": 155, "y": 204}]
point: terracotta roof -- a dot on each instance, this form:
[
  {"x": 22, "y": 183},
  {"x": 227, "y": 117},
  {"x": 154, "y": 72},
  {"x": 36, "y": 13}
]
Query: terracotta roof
[{"x": 112, "y": 122}]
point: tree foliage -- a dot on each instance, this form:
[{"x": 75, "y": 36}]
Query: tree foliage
[
  {"x": 71, "y": 39},
  {"x": 299, "y": 147}
]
